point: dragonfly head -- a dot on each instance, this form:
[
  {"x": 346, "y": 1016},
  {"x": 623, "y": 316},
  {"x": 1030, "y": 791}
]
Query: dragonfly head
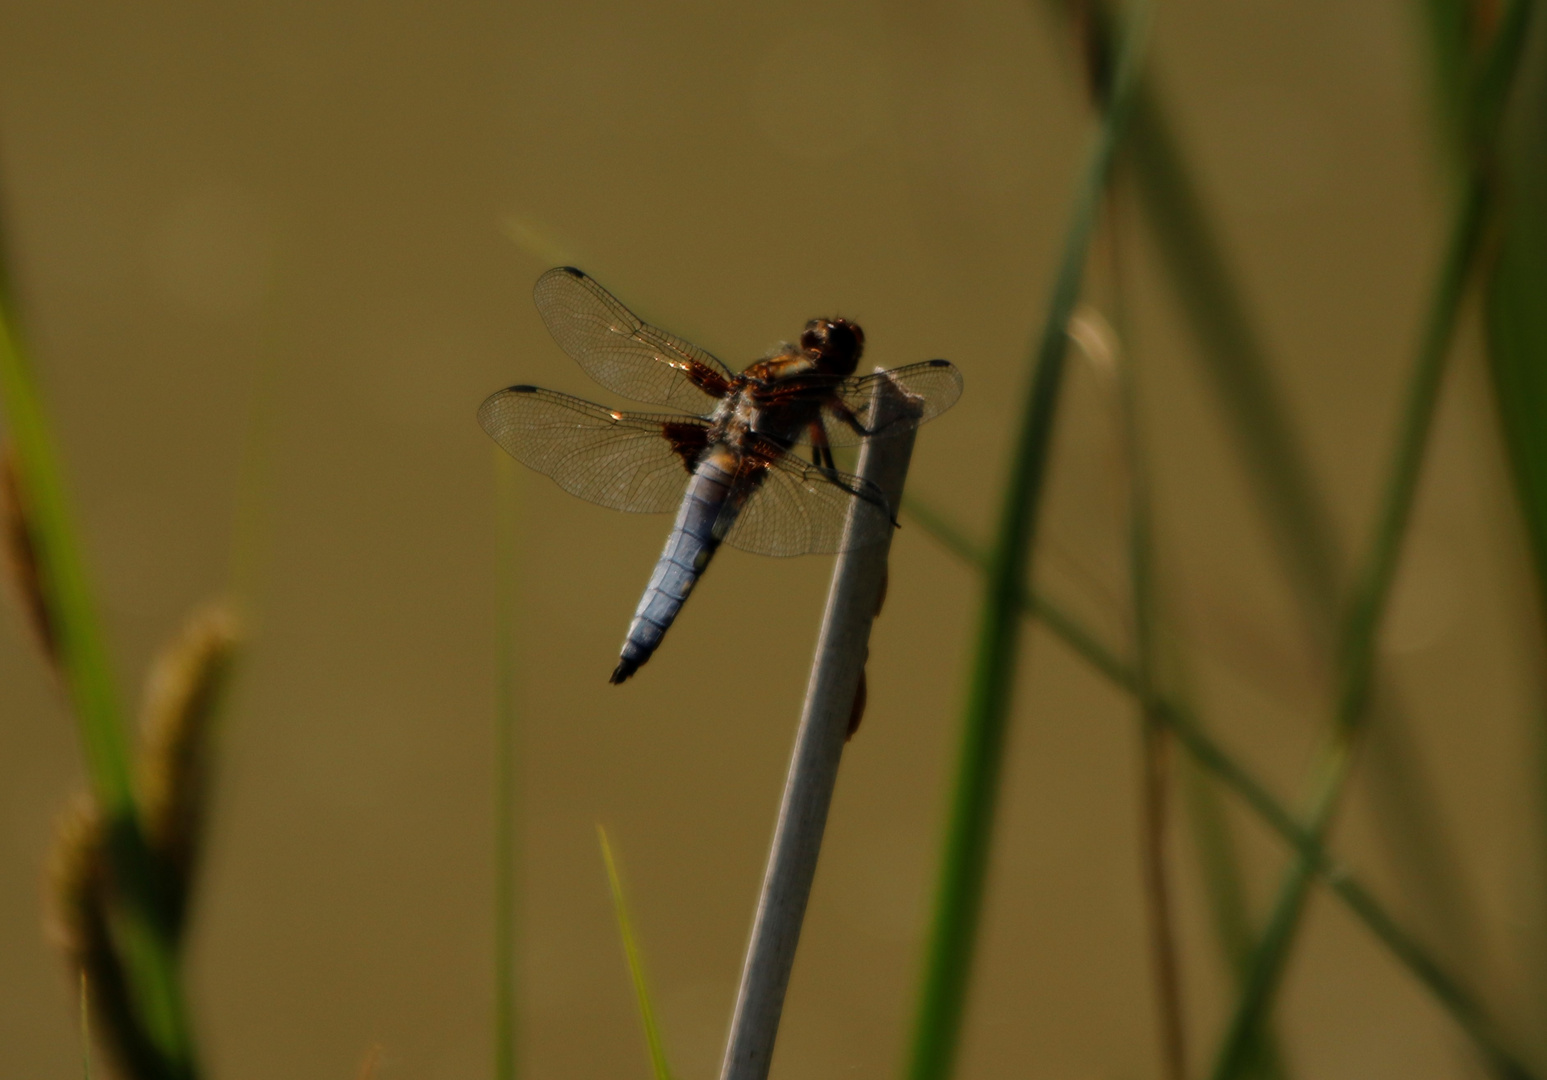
[{"x": 835, "y": 345}]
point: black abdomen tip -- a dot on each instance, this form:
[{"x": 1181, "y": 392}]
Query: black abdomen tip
[{"x": 621, "y": 673}]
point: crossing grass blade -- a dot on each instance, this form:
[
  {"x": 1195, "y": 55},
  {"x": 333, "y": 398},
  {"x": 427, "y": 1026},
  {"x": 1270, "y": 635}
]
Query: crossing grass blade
[
  {"x": 1448, "y": 990},
  {"x": 969, "y": 828},
  {"x": 1225, "y": 890},
  {"x": 145, "y": 937},
  {"x": 1237, "y": 362},
  {"x": 1515, "y": 326},
  {"x": 1358, "y": 638},
  {"x": 1357, "y": 652},
  {"x": 1451, "y": 31},
  {"x": 636, "y": 969}
]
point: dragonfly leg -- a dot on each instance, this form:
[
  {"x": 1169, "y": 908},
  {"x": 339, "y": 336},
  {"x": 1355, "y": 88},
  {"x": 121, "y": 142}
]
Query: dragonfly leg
[
  {"x": 822, "y": 452},
  {"x": 846, "y": 414}
]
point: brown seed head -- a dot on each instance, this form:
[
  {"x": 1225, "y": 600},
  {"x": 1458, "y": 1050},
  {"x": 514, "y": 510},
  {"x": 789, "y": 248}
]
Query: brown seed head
[
  {"x": 182, "y": 696},
  {"x": 79, "y": 904}
]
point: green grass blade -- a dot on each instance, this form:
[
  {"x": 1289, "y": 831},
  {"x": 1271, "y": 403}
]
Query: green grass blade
[
  {"x": 1357, "y": 644},
  {"x": 505, "y": 752},
  {"x": 143, "y": 930},
  {"x": 1447, "y": 989},
  {"x": 83, "y": 656},
  {"x": 959, "y": 891},
  {"x": 1516, "y": 318},
  {"x": 636, "y": 968},
  {"x": 1451, "y": 27},
  {"x": 1357, "y": 647},
  {"x": 1236, "y": 361},
  {"x": 1515, "y": 324}
]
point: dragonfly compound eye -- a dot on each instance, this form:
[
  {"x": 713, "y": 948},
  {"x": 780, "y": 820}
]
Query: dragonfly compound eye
[{"x": 836, "y": 344}]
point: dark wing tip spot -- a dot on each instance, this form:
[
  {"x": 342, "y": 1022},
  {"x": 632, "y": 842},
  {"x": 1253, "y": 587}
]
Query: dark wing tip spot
[
  {"x": 523, "y": 389},
  {"x": 571, "y": 271},
  {"x": 939, "y": 363}
]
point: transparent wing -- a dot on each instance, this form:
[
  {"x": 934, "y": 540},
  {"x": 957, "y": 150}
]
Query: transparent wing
[
  {"x": 625, "y": 461},
  {"x": 621, "y": 352},
  {"x": 935, "y": 385},
  {"x": 788, "y": 507}
]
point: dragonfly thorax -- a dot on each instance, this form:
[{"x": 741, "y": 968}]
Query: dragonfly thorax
[{"x": 740, "y": 415}]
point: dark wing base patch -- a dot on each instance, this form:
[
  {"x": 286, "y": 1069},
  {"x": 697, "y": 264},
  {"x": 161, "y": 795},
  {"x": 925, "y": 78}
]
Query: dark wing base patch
[
  {"x": 623, "y": 352},
  {"x": 635, "y": 462}
]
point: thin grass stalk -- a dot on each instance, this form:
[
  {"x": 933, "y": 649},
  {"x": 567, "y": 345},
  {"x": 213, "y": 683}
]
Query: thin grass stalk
[
  {"x": 1357, "y": 649},
  {"x": 964, "y": 862},
  {"x": 1446, "y": 988},
  {"x": 1155, "y": 738},
  {"x": 1105, "y": 346},
  {"x": 1154, "y": 799},
  {"x": 1236, "y": 360},
  {"x": 144, "y": 929},
  {"x": 504, "y": 770},
  {"x": 1233, "y": 353},
  {"x": 1356, "y": 655},
  {"x": 1464, "y": 1007},
  {"x": 85, "y": 1003},
  {"x": 1219, "y": 867},
  {"x": 654, "y": 1043},
  {"x": 1241, "y": 374}
]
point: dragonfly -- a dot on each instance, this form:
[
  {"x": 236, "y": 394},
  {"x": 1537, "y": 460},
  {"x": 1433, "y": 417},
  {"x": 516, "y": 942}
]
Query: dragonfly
[{"x": 726, "y": 457}]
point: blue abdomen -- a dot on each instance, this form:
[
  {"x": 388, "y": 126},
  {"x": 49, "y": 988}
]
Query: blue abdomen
[{"x": 689, "y": 548}]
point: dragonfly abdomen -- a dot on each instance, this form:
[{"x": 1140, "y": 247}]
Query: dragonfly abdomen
[{"x": 689, "y": 548}]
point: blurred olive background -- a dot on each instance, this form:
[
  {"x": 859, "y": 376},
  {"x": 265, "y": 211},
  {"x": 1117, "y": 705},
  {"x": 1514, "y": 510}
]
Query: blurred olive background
[{"x": 270, "y": 258}]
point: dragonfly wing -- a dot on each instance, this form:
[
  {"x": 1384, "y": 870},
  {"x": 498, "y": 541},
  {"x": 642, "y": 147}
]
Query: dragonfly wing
[
  {"x": 625, "y": 461},
  {"x": 622, "y": 352},
  {"x": 934, "y": 386},
  {"x": 784, "y": 506}
]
